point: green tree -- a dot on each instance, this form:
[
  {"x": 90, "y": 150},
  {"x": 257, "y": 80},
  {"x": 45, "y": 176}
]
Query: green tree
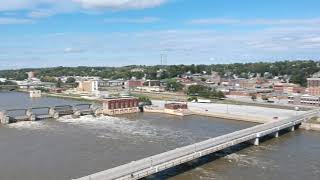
[
  {"x": 48, "y": 79},
  {"x": 264, "y": 97},
  {"x": 173, "y": 85},
  {"x": 21, "y": 76},
  {"x": 59, "y": 83},
  {"x": 254, "y": 97},
  {"x": 145, "y": 100},
  {"x": 70, "y": 80}
]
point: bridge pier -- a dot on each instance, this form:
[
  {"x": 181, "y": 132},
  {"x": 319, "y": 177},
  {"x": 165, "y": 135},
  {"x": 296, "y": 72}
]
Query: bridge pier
[
  {"x": 52, "y": 112},
  {"x": 292, "y": 128},
  {"x": 255, "y": 141},
  {"x": 276, "y": 134},
  {"x": 4, "y": 118},
  {"x": 30, "y": 115}
]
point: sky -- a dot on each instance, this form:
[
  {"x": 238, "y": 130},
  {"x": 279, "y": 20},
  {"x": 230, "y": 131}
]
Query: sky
[{"x": 46, "y": 33}]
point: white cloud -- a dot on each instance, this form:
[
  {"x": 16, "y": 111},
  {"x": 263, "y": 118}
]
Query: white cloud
[
  {"x": 143, "y": 20},
  {"x": 119, "y": 4},
  {"x": 43, "y": 8},
  {"x": 228, "y": 21},
  {"x": 40, "y": 13},
  {"x": 8, "y": 20},
  {"x": 73, "y": 50}
]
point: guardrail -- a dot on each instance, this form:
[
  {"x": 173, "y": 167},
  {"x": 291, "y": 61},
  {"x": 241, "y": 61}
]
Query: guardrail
[{"x": 150, "y": 165}]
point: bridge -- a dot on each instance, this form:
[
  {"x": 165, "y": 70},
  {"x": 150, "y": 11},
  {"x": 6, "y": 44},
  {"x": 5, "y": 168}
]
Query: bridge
[
  {"x": 154, "y": 164},
  {"x": 37, "y": 113}
]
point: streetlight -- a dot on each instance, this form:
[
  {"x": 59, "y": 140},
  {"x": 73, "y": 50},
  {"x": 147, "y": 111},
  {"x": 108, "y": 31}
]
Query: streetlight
[{"x": 296, "y": 109}]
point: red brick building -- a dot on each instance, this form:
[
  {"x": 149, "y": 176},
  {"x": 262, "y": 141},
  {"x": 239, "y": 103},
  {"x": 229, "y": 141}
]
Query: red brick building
[
  {"x": 134, "y": 83},
  {"x": 175, "y": 106},
  {"x": 313, "y": 86},
  {"x": 120, "y": 106}
]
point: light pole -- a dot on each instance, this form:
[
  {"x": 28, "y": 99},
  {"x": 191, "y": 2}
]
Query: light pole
[{"x": 296, "y": 109}]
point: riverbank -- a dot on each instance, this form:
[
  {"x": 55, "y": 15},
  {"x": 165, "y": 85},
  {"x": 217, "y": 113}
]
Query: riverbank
[
  {"x": 249, "y": 113},
  {"x": 313, "y": 124},
  {"x": 310, "y": 126}
]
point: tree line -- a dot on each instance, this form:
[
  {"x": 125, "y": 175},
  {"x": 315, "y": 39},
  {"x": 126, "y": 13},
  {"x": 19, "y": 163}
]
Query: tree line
[{"x": 297, "y": 71}]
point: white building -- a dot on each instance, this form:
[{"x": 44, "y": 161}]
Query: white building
[{"x": 88, "y": 86}]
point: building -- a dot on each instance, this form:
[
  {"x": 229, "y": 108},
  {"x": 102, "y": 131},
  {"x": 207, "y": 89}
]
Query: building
[
  {"x": 150, "y": 89},
  {"x": 134, "y": 83},
  {"x": 115, "y": 106},
  {"x": 215, "y": 78},
  {"x": 294, "y": 90},
  {"x": 247, "y": 83},
  {"x": 287, "y": 88},
  {"x": 3, "y": 80},
  {"x": 35, "y": 93},
  {"x": 31, "y": 75},
  {"x": 304, "y": 100},
  {"x": 88, "y": 86},
  {"x": 178, "y": 109},
  {"x": 175, "y": 106},
  {"x": 313, "y": 86},
  {"x": 113, "y": 83},
  {"x": 137, "y": 70},
  {"x": 151, "y": 83}
]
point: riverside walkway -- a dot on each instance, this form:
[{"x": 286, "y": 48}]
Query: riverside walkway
[{"x": 154, "y": 164}]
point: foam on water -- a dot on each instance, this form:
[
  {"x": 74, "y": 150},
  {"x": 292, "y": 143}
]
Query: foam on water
[
  {"x": 244, "y": 160},
  {"x": 120, "y": 127},
  {"x": 29, "y": 125}
]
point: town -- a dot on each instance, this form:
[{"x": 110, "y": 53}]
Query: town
[{"x": 196, "y": 83}]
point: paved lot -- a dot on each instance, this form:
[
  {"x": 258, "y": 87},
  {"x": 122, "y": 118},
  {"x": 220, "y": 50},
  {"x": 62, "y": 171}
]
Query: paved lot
[{"x": 244, "y": 110}]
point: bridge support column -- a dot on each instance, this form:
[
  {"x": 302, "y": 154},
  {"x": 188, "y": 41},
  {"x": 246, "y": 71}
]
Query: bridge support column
[
  {"x": 276, "y": 134},
  {"x": 255, "y": 141},
  {"x": 31, "y": 116},
  {"x": 4, "y": 119},
  {"x": 292, "y": 128},
  {"x": 52, "y": 112}
]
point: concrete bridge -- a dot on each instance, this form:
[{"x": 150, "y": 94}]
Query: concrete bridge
[
  {"x": 154, "y": 164},
  {"x": 37, "y": 113}
]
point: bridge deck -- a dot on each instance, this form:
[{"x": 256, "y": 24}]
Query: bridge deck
[{"x": 147, "y": 166}]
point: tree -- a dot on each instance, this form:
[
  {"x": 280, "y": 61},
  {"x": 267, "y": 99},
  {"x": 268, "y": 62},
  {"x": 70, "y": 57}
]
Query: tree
[
  {"x": 21, "y": 76},
  {"x": 253, "y": 97},
  {"x": 196, "y": 90},
  {"x": 264, "y": 97},
  {"x": 220, "y": 95},
  {"x": 70, "y": 80},
  {"x": 59, "y": 83},
  {"x": 145, "y": 100},
  {"x": 173, "y": 85},
  {"x": 48, "y": 79},
  {"x": 206, "y": 92}
]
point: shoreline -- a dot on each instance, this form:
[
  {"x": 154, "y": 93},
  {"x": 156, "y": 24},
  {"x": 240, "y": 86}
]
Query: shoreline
[
  {"x": 310, "y": 126},
  {"x": 228, "y": 116}
]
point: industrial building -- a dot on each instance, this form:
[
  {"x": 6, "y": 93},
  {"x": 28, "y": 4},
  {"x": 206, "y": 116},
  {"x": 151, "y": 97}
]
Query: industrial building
[{"x": 115, "y": 106}]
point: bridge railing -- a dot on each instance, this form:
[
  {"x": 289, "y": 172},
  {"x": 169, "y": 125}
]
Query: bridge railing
[{"x": 156, "y": 160}]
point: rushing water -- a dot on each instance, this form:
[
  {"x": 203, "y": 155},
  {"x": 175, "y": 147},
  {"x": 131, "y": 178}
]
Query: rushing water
[{"x": 69, "y": 148}]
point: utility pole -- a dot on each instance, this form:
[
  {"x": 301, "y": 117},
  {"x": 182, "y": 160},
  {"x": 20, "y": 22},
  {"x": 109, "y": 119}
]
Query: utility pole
[{"x": 163, "y": 59}]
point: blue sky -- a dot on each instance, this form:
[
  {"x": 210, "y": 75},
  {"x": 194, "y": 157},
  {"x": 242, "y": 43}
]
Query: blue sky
[{"x": 45, "y": 33}]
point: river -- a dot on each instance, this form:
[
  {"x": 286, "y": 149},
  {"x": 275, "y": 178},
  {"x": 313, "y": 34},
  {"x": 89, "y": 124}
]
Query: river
[{"x": 70, "y": 148}]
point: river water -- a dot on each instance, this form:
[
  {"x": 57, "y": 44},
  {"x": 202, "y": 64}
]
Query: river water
[{"x": 70, "y": 148}]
